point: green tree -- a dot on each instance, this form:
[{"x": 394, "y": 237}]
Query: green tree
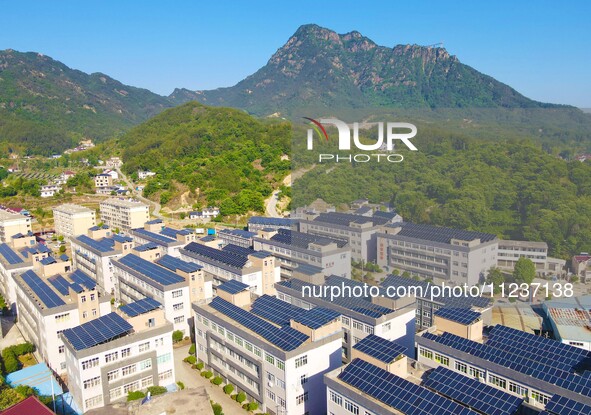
[
  {"x": 524, "y": 271},
  {"x": 496, "y": 278},
  {"x": 177, "y": 336}
]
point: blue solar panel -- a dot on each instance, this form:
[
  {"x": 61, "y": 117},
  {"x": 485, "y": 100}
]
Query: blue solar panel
[
  {"x": 207, "y": 254},
  {"x": 48, "y": 260},
  {"x": 149, "y": 270},
  {"x": 140, "y": 307},
  {"x": 285, "y": 338},
  {"x": 261, "y": 220},
  {"x": 560, "y": 405},
  {"x": 154, "y": 237},
  {"x": 398, "y": 393},
  {"x": 47, "y": 296},
  {"x": 103, "y": 245},
  {"x": 80, "y": 277},
  {"x": 146, "y": 247},
  {"x": 121, "y": 238},
  {"x": 380, "y": 348},
  {"x": 173, "y": 264},
  {"x": 316, "y": 317},
  {"x": 472, "y": 393},
  {"x": 169, "y": 232},
  {"x": 238, "y": 250},
  {"x": 10, "y": 256},
  {"x": 459, "y": 315},
  {"x": 60, "y": 284},
  {"x": 98, "y": 331},
  {"x": 275, "y": 310},
  {"x": 233, "y": 286}
]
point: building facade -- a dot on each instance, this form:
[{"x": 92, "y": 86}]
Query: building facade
[
  {"x": 124, "y": 214},
  {"x": 12, "y": 224},
  {"x": 72, "y": 220}
]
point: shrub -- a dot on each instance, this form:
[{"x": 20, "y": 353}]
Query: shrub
[
  {"x": 181, "y": 385},
  {"x": 112, "y": 300},
  {"x": 245, "y": 407},
  {"x": 177, "y": 336},
  {"x": 192, "y": 349},
  {"x": 190, "y": 359},
  {"x": 207, "y": 374},
  {"x": 253, "y": 406},
  {"x": 241, "y": 397},
  {"x": 217, "y": 381},
  {"x": 228, "y": 389},
  {"x": 157, "y": 390},
  {"x": 135, "y": 395},
  {"x": 217, "y": 409},
  {"x": 200, "y": 365}
]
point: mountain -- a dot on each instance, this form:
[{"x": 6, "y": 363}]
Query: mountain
[
  {"x": 46, "y": 107},
  {"x": 318, "y": 68}
]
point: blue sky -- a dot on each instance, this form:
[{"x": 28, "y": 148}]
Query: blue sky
[{"x": 541, "y": 48}]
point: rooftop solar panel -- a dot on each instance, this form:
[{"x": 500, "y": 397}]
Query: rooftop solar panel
[
  {"x": 45, "y": 294},
  {"x": 173, "y": 264},
  {"x": 206, "y": 254},
  {"x": 303, "y": 240},
  {"x": 238, "y": 250},
  {"x": 459, "y": 315},
  {"x": 285, "y": 338},
  {"x": 560, "y": 405},
  {"x": 473, "y": 393},
  {"x": 382, "y": 349},
  {"x": 152, "y": 236},
  {"x": 60, "y": 284},
  {"x": 146, "y": 247},
  {"x": 121, "y": 238},
  {"x": 80, "y": 277},
  {"x": 316, "y": 317},
  {"x": 439, "y": 234},
  {"x": 344, "y": 219},
  {"x": 233, "y": 286},
  {"x": 261, "y": 220},
  {"x": 48, "y": 260},
  {"x": 150, "y": 270},
  {"x": 398, "y": 393},
  {"x": 275, "y": 310},
  {"x": 140, "y": 307},
  {"x": 11, "y": 257},
  {"x": 171, "y": 233},
  {"x": 97, "y": 331},
  {"x": 102, "y": 245}
]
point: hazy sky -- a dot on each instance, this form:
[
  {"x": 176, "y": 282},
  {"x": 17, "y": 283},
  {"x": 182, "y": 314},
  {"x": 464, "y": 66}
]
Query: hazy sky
[{"x": 541, "y": 48}]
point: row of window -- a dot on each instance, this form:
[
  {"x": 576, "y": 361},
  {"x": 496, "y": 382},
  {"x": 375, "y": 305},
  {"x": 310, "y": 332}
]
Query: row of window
[
  {"x": 230, "y": 368},
  {"x": 345, "y": 403}
]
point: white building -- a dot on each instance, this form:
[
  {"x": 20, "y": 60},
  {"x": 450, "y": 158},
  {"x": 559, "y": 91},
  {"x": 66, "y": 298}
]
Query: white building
[
  {"x": 124, "y": 214},
  {"x": 118, "y": 353},
  {"x": 50, "y": 190},
  {"x": 11, "y": 263},
  {"x": 13, "y": 223},
  {"x": 145, "y": 174},
  {"x": 72, "y": 220}
]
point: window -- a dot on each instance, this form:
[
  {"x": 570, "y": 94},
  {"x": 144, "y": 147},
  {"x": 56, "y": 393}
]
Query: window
[
  {"x": 84, "y": 314},
  {"x": 61, "y": 349},
  {"x": 125, "y": 352},
  {"x": 115, "y": 393},
  {"x": 90, "y": 363},
  {"x": 270, "y": 395},
  {"x": 540, "y": 397},
  {"x": 257, "y": 352},
  {"x": 346, "y": 321},
  {"x": 517, "y": 389},
  {"x": 303, "y": 379},
  {"x": 178, "y": 307},
  {"x": 91, "y": 297},
  {"x": 357, "y": 325},
  {"x": 164, "y": 358},
  {"x": 94, "y": 312},
  {"x": 302, "y": 398},
  {"x": 280, "y": 383},
  {"x": 146, "y": 364},
  {"x": 248, "y": 346},
  {"x": 271, "y": 377},
  {"x": 60, "y": 318},
  {"x": 128, "y": 370},
  {"x": 495, "y": 380},
  {"x": 338, "y": 399},
  {"x": 301, "y": 361},
  {"x": 177, "y": 293},
  {"x": 476, "y": 373},
  {"x": 270, "y": 358},
  {"x": 179, "y": 319},
  {"x": 144, "y": 346},
  {"x": 386, "y": 327},
  {"x": 368, "y": 329},
  {"x": 281, "y": 401},
  {"x": 83, "y": 299},
  {"x": 461, "y": 367},
  {"x": 444, "y": 360},
  {"x": 131, "y": 387},
  {"x": 94, "y": 401},
  {"x": 112, "y": 375},
  {"x": 351, "y": 407},
  {"x": 147, "y": 381},
  {"x": 165, "y": 375},
  {"x": 91, "y": 383},
  {"x": 111, "y": 357},
  {"x": 426, "y": 353}
]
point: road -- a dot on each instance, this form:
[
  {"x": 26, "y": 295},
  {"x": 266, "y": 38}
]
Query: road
[{"x": 155, "y": 205}]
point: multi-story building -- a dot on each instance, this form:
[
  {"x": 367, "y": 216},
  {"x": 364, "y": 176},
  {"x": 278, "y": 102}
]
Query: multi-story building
[
  {"x": 12, "y": 224},
  {"x": 166, "y": 243},
  {"x": 124, "y": 214},
  {"x": 361, "y": 313},
  {"x": 258, "y": 223},
  {"x": 291, "y": 247},
  {"x": 236, "y": 237},
  {"x": 121, "y": 352},
  {"x": 94, "y": 255},
  {"x": 139, "y": 278},
  {"x": 443, "y": 254},
  {"x": 510, "y": 251},
  {"x": 531, "y": 367},
  {"x": 103, "y": 180},
  {"x": 11, "y": 263},
  {"x": 72, "y": 220},
  {"x": 280, "y": 367},
  {"x": 581, "y": 265},
  {"x": 570, "y": 319},
  {"x": 430, "y": 299},
  {"x": 257, "y": 269},
  {"x": 360, "y": 231},
  {"x": 48, "y": 306}
]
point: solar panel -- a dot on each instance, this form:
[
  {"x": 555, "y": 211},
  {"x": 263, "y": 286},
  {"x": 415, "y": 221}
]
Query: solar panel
[
  {"x": 472, "y": 393},
  {"x": 459, "y": 315},
  {"x": 60, "y": 284},
  {"x": 238, "y": 250},
  {"x": 103, "y": 245},
  {"x": 233, "y": 286},
  {"x": 46, "y": 295},
  {"x": 285, "y": 338},
  {"x": 97, "y": 331},
  {"x": 303, "y": 240},
  {"x": 10, "y": 256},
  {"x": 208, "y": 254},
  {"x": 140, "y": 307},
  {"x": 344, "y": 219},
  {"x": 48, "y": 260},
  {"x": 261, "y": 220},
  {"x": 149, "y": 270},
  {"x": 146, "y": 247},
  {"x": 169, "y": 232},
  {"x": 380, "y": 348},
  {"x": 275, "y": 310},
  {"x": 560, "y": 405},
  {"x": 154, "y": 237},
  {"x": 440, "y": 234},
  {"x": 316, "y": 317},
  {"x": 80, "y": 277},
  {"x": 173, "y": 264},
  {"x": 398, "y": 393}
]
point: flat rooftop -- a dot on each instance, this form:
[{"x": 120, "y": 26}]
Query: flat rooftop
[
  {"x": 123, "y": 202},
  {"x": 439, "y": 233},
  {"x": 5, "y": 215},
  {"x": 71, "y": 208}
]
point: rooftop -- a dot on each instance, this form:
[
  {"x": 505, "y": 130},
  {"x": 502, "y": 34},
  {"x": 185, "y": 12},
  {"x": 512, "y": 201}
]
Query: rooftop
[
  {"x": 344, "y": 219},
  {"x": 71, "y": 208},
  {"x": 572, "y": 317},
  {"x": 238, "y": 232},
  {"x": 261, "y": 220},
  {"x": 5, "y": 215},
  {"x": 173, "y": 264},
  {"x": 382, "y": 349},
  {"x": 30, "y": 406},
  {"x": 459, "y": 315},
  {"x": 9, "y": 255},
  {"x": 438, "y": 233},
  {"x": 151, "y": 272},
  {"x": 233, "y": 287},
  {"x": 157, "y": 238},
  {"x": 303, "y": 240},
  {"x": 206, "y": 254},
  {"x": 142, "y": 306},
  {"x": 129, "y": 203},
  {"x": 102, "y": 245},
  {"x": 100, "y": 330}
]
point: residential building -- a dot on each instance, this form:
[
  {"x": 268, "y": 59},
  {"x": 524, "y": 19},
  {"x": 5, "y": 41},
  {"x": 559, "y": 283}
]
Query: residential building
[
  {"x": 360, "y": 231},
  {"x": 280, "y": 367},
  {"x": 510, "y": 251},
  {"x": 200, "y": 285},
  {"x": 139, "y": 278},
  {"x": 114, "y": 175},
  {"x": 103, "y": 180},
  {"x": 288, "y": 246},
  {"x": 257, "y": 269},
  {"x": 570, "y": 319},
  {"x": 49, "y": 190},
  {"x": 581, "y": 265},
  {"x": 259, "y": 223},
  {"x": 114, "y": 163},
  {"x": 442, "y": 254},
  {"x": 13, "y": 223},
  {"x": 48, "y": 306},
  {"x": 124, "y": 214},
  {"x": 72, "y": 220},
  {"x": 142, "y": 175},
  {"x": 237, "y": 237},
  {"x": 118, "y": 353},
  {"x": 11, "y": 263},
  {"x": 361, "y": 313},
  {"x": 165, "y": 243}
]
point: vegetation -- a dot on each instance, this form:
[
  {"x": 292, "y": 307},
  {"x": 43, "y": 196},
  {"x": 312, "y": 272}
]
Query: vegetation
[
  {"x": 241, "y": 397},
  {"x": 217, "y": 380},
  {"x": 524, "y": 271},
  {"x": 177, "y": 336},
  {"x": 135, "y": 395},
  {"x": 228, "y": 389},
  {"x": 192, "y": 349},
  {"x": 190, "y": 359},
  {"x": 217, "y": 408},
  {"x": 181, "y": 385},
  {"x": 157, "y": 390},
  {"x": 207, "y": 374},
  {"x": 200, "y": 365},
  {"x": 252, "y": 406},
  {"x": 10, "y": 361},
  {"x": 496, "y": 278}
]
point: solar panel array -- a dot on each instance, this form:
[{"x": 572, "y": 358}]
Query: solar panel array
[
  {"x": 238, "y": 250},
  {"x": 285, "y": 338},
  {"x": 150, "y": 270},
  {"x": 380, "y": 348},
  {"x": 440, "y": 234},
  {"x": 398, "y": 393},
  {"x": 80, "y": 277},
  {"x": 103, "y": 245},
  {"x": 303, "y": 240},
  {"x": 275, "y": 310},
  {"x": 472, "y": 393},
  {"x": 522, "y": 362},
  {"x": 46, "y": 295},
  {"x": 233, "y": 286},
  {"x": 237, "y": 232},
  {"x": 146, "y": 247},
  {"x": 48, "y": 260},
  {"x": 344, "y": 219},
  {"x": 224, "y": 257},
  {"x": 261, "y": 220},
  {"x": 121, "y": 238},
  {"x": 60, "y": 284},
  {"x": 173, "y": 263},
  {"x": 169, "y": 232},
  {"x": 459, "y": 315},
  {"x": 140, "y": 307},
  {"x": 11, "y": 257},
  {"x": 316, "y": 317},
  {"x": 560, "y": 405},
  {"x": 152, "y": 236},
  {"x": 97, "y": 331}
]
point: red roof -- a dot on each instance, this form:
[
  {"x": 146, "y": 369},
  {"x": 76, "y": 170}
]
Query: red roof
[
  {"x": 582, "y": 258},
  {"x": 30, "y": 406}
]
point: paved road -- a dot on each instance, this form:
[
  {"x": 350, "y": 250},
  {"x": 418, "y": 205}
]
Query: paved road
[
  {"x": 155, "y": 205},
  {"x": 271, "y": 209}
]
